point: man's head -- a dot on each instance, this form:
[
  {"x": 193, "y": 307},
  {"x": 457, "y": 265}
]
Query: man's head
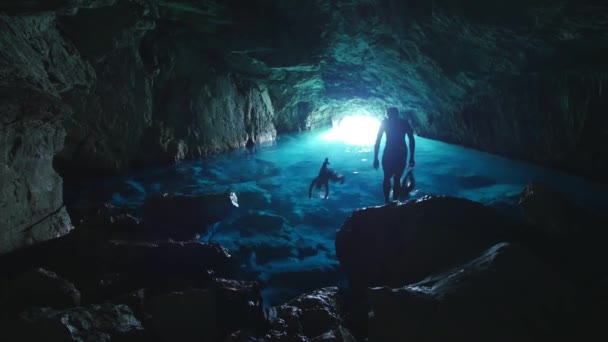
[{"x": 392, "y": 113}]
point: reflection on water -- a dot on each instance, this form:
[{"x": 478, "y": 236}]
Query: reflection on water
[{"x": 286, "y": 239}]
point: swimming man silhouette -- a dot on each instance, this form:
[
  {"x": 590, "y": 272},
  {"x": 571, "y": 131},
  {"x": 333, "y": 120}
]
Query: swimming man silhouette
[
  {"x": 325, "y": 174},
  {"x": 394, "y": 156}
]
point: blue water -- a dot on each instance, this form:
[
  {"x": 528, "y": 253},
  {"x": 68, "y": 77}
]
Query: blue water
[{"x": 285, "y": 239}]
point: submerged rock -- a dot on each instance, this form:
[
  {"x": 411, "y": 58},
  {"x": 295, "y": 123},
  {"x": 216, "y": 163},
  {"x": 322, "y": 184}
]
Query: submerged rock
[
  {"x": 184, "y": 217},
  {"x": 399, "y": 244},
  {"x": 506, "y": 294}
]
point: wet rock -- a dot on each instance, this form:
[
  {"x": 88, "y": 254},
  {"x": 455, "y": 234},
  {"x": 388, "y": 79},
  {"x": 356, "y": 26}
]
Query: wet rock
[
  {"x": 105, "y": 217},
  {"x": 39, "y": 287},
  {"x": 182, "y": 217},
  {"x": 90, "y": 323},
  {"x": 165, "y": 265},
  {"x": 555, "y": 215},
  {"x": 259, "y": 224},
  {"x": 134, "y": 300},
  {"x": 207, "y": 314},
  {"x": 568, "y": 235},
  {"x": 103, "y": 269},
  {"x": 506, "y": 294},
  {"x": 399, "y": 244},
  {"x": 317, "y": 315}
]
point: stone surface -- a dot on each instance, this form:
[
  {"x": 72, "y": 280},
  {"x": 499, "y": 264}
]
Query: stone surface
[
  {"x": 395, "y": 245},
  {"x": 558, "y": 217},
  {"x": 523, "y": 80},
  {"x": 90, "y": 323},
  {"x": 207, "y": 315},
  {"x": 182, "y": 217},
  {"x": 103, "y": 269},
  {"x": 506, "y": 294},
  {"x": 569, "y": 235},
  {"x": 318, "y": 316},
  {"x": 38, "y": 66},
  {"x": 38, "y": 287}
]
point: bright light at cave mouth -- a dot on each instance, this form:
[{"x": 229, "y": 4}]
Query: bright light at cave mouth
[{"x": 354, "y": 130}]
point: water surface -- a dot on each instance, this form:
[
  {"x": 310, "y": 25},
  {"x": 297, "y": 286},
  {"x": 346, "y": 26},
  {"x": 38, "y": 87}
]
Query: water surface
[{"x": 285, "y": 239}]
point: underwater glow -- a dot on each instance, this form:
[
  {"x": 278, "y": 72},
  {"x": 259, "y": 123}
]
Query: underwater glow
[{"x": 359, "y": 129}]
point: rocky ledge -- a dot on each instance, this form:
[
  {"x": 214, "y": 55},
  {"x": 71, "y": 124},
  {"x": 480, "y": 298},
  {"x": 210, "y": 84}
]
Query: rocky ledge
[{"x": 429, "y": 269}]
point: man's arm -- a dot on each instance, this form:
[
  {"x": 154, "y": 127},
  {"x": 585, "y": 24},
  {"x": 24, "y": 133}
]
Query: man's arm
[
  {"x": 377, "y": 145},
  {"x": 412, "y": 144}
]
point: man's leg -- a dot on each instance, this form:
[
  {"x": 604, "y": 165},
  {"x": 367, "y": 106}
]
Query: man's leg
[
  {"x": 386, "y": 187},
  {"x": 396, "y": 187}
]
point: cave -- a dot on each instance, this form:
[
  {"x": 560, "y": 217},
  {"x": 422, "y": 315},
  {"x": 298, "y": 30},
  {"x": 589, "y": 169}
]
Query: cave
[{"x": 164, "y": 162}]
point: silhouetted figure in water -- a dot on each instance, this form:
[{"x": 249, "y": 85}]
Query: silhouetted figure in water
[
  {"x": 325, "y": 175},
  {"x": 394, "y": 156}
]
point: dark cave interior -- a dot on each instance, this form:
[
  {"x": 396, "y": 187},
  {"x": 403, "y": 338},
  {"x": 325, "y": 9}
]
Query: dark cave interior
[{"x": 98, "y": 89}]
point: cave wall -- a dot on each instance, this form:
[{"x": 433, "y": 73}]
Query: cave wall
[
  {"x": 163, "y": 93},
  {"x": 37, "y": 69},
  {"x": 132, "y": 83},
  {"x": 521, "y": 79}
]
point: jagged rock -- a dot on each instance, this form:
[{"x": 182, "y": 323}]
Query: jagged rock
[
  {"x": 103, "y": 269},
  {"x": 169, "y": 265},
  {"x": 207, "y": 314},
  {"x": 38, "y": 66},
  {"x": 39, "y": 287},
  {"x": 90, "y": 323},
  {"x": 109, "y": 121},
  {"x": 183, "y": 217},
  {"x": 566, "y": 233},
  {"x": 555, "y": 215},
  {"x": 395, "y": 245},
  {"x": 317, "y": 316},
  {"x": 506, "y": 294}
]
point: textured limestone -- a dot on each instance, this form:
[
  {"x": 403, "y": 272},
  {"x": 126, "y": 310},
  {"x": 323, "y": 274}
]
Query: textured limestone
[{"x": 37, "y": 66}]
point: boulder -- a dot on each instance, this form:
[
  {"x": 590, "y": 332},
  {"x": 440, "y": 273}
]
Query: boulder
[
  {"x": 103, "y": 269},
  {"x": 208, "y": 314},
  {"x": 184, "y": 217},
  {"x": 569, "y": 235},
  {"x": 398, "y": 244},
  {"x": 317, "y": 315},
  {"x": 105, "y": 323},
  {"x": 506, "y": 294},
  {"x": 39, "y": 287},
  {"x": 555, "y": 215}
]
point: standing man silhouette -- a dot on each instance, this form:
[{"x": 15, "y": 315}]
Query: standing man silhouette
[{"x": 394, "y": 156}]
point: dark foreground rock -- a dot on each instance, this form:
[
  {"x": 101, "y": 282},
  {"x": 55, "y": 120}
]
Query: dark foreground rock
[
  {"x": 38, "y": 287},
  {"x": 315, "y": 316},
  {"x": 507, "y": 294},
  {"x": 103, "y": 268},
  {"x": 208, "y": 314},
  {"x": 90, "y": 323},
  {"x": 182, "y": 217},
  {"x": 395, "y": 245},
  {"x": 570, "y": 236}
]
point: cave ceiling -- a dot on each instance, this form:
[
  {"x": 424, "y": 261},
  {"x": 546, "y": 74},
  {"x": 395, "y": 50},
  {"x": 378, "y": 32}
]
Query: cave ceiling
[{"x": 457, "y": 64}]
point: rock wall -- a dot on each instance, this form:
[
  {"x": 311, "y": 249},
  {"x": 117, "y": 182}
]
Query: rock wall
[
  {"x": 37, "y": 68},
  {"x": 160, "y": 96}
]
